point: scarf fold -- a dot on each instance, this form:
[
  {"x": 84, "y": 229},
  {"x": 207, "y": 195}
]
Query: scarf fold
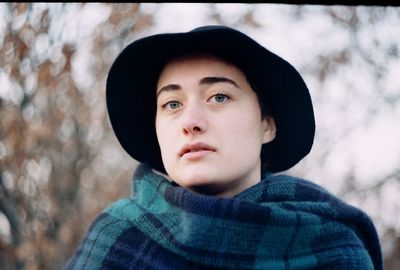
[{"x": 281, "y": 223}]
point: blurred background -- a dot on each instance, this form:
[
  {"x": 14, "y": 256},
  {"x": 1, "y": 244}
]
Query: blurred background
[{"x": 60, "y": 163}]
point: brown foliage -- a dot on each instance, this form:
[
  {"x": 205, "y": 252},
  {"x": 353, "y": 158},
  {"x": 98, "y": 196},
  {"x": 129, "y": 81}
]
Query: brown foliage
[
  {"x": 60, "y": 163},
  {"x": 55, "y": 139}
]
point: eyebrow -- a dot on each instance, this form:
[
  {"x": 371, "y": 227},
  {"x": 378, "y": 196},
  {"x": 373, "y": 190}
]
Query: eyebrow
[
  {"x": 203, "y": 81},
  {"x": 212, "y": 80},
  {"x": 168, "y": 87}
]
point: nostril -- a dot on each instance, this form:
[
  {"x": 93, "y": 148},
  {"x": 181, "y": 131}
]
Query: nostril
[
  {"x": 194, "y": 122},
  {"x": 196, "y": 128},
  {"x": 192, "y": 130}
]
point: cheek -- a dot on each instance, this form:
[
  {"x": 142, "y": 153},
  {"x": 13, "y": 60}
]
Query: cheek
[
  {"x": 247, "y": 141},
  {"x": 246, "y": 126},
  {"x": 255, "y": 124},
  {"x": 165, "y": 140},
  {"x": 162, "y": 135}
]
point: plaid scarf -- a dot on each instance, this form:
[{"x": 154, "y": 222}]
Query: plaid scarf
[{"x": 281, "y": 223}]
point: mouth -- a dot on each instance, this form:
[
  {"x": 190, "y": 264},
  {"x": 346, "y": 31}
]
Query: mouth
[{"x": 195, "y": 148}]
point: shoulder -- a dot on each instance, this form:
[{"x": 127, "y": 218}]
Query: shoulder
[
  {"x": 340, "y": 223},
  {"x": 102, "y": 235}
]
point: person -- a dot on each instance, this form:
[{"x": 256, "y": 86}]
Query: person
[{"x": 214, "y": 118}]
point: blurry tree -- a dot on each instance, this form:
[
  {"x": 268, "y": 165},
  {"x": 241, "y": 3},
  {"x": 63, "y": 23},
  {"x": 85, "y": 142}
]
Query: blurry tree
[
  {"x": 60, "y": 163},
  {"x": 58, "y": 157}
]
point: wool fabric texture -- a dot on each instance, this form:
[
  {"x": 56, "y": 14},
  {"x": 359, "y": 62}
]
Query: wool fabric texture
[{"x": 283, "y": 222}]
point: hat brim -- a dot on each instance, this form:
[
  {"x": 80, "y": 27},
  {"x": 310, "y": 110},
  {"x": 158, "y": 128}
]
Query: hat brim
[{"x": 132, "y": 80}]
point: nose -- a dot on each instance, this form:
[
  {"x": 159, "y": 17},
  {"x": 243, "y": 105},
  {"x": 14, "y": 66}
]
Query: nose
[{"x": 194, "y": 120}]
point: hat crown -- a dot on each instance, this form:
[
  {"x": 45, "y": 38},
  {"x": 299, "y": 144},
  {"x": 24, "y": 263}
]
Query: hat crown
[{"x": 210, "y": 27}]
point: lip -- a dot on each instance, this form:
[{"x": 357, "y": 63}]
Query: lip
[{"x": 195, "y": 150}]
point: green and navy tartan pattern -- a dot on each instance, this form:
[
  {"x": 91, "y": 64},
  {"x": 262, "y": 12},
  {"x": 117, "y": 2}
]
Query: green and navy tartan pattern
[{"x": 281, "y": 223}]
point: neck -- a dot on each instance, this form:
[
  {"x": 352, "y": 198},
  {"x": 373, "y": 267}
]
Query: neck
[{"x": 225, "y": 190}]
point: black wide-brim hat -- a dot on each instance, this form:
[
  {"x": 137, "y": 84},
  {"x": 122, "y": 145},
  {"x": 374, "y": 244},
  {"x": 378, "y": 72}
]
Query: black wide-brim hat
[{"x": 133, "y": 77}]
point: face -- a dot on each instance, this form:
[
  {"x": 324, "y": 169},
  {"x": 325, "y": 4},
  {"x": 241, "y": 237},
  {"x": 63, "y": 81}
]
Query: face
[{"x": 209, "y": 126}]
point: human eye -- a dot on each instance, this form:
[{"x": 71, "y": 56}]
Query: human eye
[
  {"x": 219, "y": 98},
  {"x": 171, "y": 105}
]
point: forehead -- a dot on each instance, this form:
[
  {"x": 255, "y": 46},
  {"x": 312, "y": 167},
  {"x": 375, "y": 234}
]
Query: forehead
[{"x": 202, "y": 64}]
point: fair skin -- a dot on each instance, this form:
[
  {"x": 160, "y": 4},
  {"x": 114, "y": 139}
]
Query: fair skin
[{"x": 209, "y": 126}]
